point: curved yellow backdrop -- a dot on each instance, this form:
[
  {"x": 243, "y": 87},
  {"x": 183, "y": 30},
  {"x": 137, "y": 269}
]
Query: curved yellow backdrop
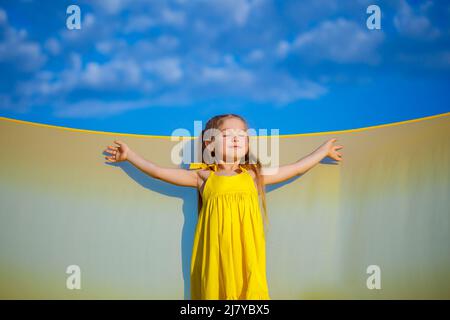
[{"x": 386, "y": 204}]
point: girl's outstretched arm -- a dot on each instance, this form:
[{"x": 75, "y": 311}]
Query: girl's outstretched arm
[
  {"x": 177, "y": 176},
  {"x": 282, "y": 173}
]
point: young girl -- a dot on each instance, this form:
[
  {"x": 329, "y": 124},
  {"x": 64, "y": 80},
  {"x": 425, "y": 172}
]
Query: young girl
[{"x": 228, "y": 257}]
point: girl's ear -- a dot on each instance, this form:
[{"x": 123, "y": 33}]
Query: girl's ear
[{"x": 208, "y": 145}]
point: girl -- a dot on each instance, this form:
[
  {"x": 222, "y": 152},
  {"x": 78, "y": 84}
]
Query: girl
[{"x": 228, "y": 257}]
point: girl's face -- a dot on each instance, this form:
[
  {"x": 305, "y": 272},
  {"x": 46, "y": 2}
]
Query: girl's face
[{"x": 231, "y": 144}]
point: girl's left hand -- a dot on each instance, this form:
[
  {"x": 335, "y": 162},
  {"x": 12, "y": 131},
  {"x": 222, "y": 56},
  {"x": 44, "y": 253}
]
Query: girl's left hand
[{"x": 330, "y": 150}]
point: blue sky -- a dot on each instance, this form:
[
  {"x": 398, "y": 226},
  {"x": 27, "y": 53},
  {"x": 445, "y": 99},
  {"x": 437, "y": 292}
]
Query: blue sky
[{"x": 151, "y": 67}]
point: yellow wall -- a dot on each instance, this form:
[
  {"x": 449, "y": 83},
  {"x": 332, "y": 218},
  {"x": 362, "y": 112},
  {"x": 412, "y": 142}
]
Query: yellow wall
[{"x": 386, "y": 204}]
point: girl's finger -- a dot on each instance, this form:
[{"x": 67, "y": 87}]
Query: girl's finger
[
  {"x": 111, "y": 151},
  {"x": 338, "y": 147},
  {"x": 112, "y": 147},
  {"x": 118, "y": 142}
]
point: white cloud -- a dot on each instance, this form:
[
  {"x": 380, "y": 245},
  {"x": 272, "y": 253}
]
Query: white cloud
[
  {"x": 261, "y": 85},
  {"x": 282, "y": 49},
  {"x": 139, "y": 23},
  {"x": 224, "y": 14},
  {"x": 113, "y": 46},
  {"x": 98, "y": 108},
  {"x": 254, "y": 56},
  {"x": 341, "y": 41},
  {"x": 147, "y": 49},
  {"x": 168, "y": 69},
  {"x": 230, "y": 74},
  {"x": 53, "y": 46},
  {"x": 131, "y": 68},
  {"x": 3, "y": 17},
  {"x": 224, "y": 75},
  {"x": 111, "y": 6},
  {"x": 16, "y": 49},
  {"x": 413, "y": 25},
  {"x": 171, "y": 17},
  {"x": 240, "y": 10},
  {"x": 281, "y": 89},
  {"x": 46, "y": 84},
  {"x": 115, "y": 74}
]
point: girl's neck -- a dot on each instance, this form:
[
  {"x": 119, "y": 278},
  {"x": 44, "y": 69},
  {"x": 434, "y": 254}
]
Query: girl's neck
[{"x": 228, "y": 166}]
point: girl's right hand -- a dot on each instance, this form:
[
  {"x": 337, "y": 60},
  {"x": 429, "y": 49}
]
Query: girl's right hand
[{"x": 119, "y": 153}]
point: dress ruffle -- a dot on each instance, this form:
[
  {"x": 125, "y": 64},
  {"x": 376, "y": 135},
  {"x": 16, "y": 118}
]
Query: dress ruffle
[
  {"x": 201, "y": 165},
  {"x": 229, "y": 249}
]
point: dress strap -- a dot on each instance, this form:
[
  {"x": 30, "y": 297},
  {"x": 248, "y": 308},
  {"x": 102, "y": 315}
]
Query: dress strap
[
  {"x": 202, "y": 165},
  {"x": 212, "y": 166}
]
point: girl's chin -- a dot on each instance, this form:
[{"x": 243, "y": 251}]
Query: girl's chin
[{"x": 234, "y": 159}]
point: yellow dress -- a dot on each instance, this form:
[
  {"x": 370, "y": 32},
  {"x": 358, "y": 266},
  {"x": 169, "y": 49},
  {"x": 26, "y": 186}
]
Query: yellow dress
[{"x": 228, "y": 257}]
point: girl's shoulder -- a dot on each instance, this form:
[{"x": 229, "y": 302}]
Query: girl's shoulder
[
  {"x": 252, "y": 173},
  {"x": 204, "y": 172},
  {"x": 203, "y": 175}
]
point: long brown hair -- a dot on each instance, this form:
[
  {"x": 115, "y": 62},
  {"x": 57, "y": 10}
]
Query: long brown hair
[{"x": 250, "y": 161}]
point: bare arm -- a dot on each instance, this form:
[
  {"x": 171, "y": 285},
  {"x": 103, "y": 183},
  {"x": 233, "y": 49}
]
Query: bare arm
[
  {"x": 177, "y": 176},
  {"x": 286, "y": 172}
]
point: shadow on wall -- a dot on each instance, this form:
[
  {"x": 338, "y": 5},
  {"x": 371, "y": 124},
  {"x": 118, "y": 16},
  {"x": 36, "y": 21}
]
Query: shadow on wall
[{"x": 189, "y": 207}]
